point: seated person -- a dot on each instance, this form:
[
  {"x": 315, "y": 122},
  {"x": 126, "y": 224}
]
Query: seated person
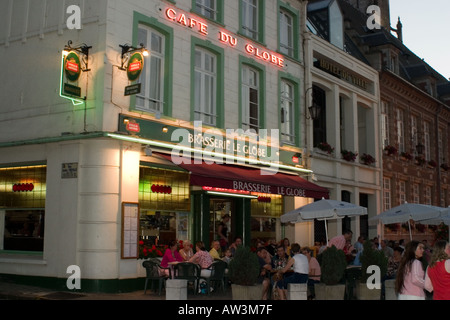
[
  {"x": 202, "y": 258},
  {"x": 186, "y": 252},
  {"x": 301, "y": 270},
  {"x": 215, "y": 251},
  {"x": 171, "y": 255}
]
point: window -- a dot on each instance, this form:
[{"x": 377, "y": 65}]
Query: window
[
  {"x": 207, "y": 8},
  {"x": 151, "y": 97},
  {"x": 426, "y": 138},
  {"x": 416, "y": 193},
  {"x": 205, "y": 87},
  {"x": 287, "y": 112},
  {"x": 250, "y": 99},
  {"x": 384, "y": 123},
  {"x": 402, "y": 192},
  {"x": 427, "y": 196},
  {"x": 400, "y": 131},
  {"x": 414, "y": 133},
  {"x": 286, "y": 33},
  {"x": 22, "y": 199},
  {"x": 441, "y": 146},
  {"x": 387, "y": 193},
  {"x": 362, "y": 129},
  {"x": 250, "y": 12},
  {"x": 320, "y": 125}
]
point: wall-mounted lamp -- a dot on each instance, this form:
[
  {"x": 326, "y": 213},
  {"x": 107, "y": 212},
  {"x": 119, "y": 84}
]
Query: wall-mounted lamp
[
  {"x": 83, "y": 49},
  {"x": 127, "y": 50},
  {"x": 165, "y": 129},
  {"x": 314, "y": 110}
]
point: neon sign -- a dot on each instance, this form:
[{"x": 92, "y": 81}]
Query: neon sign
[{"x": 225, "y": 38}]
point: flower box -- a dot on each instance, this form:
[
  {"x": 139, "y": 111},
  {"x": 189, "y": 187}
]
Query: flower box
[
  {"x": 349, "y": 155},
  {"x": 324, "y": 146},
  {"x": 445, "y": 167},
  {"x": 367, "y": 159},
  {"x": 390, "y": 150},
  {"x": 420, "y": 161},
  {"x": 406, "y": 156}
]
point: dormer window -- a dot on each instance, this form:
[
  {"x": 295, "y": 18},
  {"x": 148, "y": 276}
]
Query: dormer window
[{"x": 326, "y": 16}]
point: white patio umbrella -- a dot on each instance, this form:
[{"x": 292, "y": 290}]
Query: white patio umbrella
[
  {"x": 407, "y": 212},
  {"x": 443, "y": 218},
  {"x": 324, "y": 209}
]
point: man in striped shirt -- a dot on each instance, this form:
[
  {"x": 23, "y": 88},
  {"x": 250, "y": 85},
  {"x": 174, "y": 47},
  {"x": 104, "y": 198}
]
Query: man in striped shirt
[{"x": 340, "y": 242}]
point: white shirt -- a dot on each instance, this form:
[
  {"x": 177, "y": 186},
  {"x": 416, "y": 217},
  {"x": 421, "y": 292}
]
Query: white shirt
[{"x": 301, "y": 264}]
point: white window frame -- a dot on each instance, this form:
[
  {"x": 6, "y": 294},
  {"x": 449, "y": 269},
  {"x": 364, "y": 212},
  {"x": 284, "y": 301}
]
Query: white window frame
[
  {"x": 384, "y": 123},
  {"x": 207, "y": 8},
  {"x": 250, "y": 23},
  {"x": 387, "y": 193},
  {"x": 400, "y": 130},
  {"x": 155, "y": 103},
  {"x": 250, "y": 82},
  {"x": 286, "y": 33},
  {"x": 426, "y": 140},
  {"x": 205, "y": 87},
  {"x": 287, "y": 112}
]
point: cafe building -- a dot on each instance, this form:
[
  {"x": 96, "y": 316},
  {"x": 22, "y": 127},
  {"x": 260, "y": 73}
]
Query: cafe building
[{"x": 146, "y": 121}]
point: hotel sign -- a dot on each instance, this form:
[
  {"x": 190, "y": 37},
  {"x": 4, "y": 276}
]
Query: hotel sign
[{"x": 341, "y": 73}]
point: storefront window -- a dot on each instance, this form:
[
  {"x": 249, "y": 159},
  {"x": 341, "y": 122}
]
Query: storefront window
[
  {"x": 22, "y": 207},
  {"x": 266, "y": 211},
  {"x": 164, "y": 201}
]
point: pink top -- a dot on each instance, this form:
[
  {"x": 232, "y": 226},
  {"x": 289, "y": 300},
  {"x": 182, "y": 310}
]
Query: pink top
[
  {"x": 339, "y": 242},
  {"x": 314, "y": 265},
  {"x": 168, "y": 257},
  {"x": 203, "y": 258},
  {"x": 414, "y": 281}
]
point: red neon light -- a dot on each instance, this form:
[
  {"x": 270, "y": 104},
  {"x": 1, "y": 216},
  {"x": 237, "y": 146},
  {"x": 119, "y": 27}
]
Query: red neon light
[
  {"x": 265, "y": 199},
  {"x": 205, "y": 188},
  {"x": 226, "y": 38},
  {"x": 295, "y": 159},
  {"x": 190, "y": 22},
  {"x": 156, "y": 188},
  {"x": 23, "y": 187},
  {"x": 264, "y": 55}
]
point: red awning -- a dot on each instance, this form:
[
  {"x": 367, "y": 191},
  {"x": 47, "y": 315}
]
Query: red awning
[{"x": 250, "y": 179}]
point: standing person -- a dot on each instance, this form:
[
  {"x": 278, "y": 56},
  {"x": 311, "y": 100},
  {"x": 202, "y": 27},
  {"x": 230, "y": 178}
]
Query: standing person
[
  {"x": 437, "y": 278},
  {"x": 301, "y": 269},
  {"x": 340, "y": 242},
  {"x": 265, "y": 264},
  {"x": 222, "y": 232},
  {"x": 186, "y": 251},
  {"x": 410, "y": 280},
  {"x": 287, "y": 246}
]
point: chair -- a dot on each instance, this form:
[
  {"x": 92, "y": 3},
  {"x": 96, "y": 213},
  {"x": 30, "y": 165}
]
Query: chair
[
  {"x": 218, "y": 268},
  {"x": 154, "y": 272},
  {"x": 188, "y": 271}
]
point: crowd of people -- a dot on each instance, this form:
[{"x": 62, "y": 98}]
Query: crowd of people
[{"x": 418, "y": 269}]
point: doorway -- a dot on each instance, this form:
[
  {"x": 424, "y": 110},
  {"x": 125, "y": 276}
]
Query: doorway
[{"x": 218, "y": 208}]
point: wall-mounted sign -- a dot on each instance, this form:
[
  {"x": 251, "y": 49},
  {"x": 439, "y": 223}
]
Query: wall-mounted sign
[
  {"x": 196, "y": 24},
  {"x": 135, "y": 66},
  {"x": 23, "y": 187},
  {"x": 340, "y": 73},
  {"x": 69, "y": 171},
  {"x": 70, "y": 76}
]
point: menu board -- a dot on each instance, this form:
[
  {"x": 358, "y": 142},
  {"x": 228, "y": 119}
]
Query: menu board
[{"x": 130, "y": 228}]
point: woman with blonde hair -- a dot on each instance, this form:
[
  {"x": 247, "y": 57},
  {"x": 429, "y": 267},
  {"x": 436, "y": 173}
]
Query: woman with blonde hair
[
  {"x": 437, "y": 277},
  {"x": 186, "y": 251}
]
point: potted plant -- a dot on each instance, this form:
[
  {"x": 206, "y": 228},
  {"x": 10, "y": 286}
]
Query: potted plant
[
  {"x": 367, "y": 159},
  {"x": 332, "y": 265},
  {"x": 390, "y": 150},
  {"x": 324, "y": 146},
  {"x": 371, "y": 257},
  {"x": 445, "y": 167},
  {"x": 243, "y": 272},
  {"x": 349, "y": 155}
]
